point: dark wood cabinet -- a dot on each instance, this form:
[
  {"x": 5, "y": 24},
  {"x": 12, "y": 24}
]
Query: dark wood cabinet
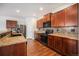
[
  {"x": 40, "y": 23},
  {"x": 50, "y": 42},
  {"x": 52, "y": 20},
  {"x": 47, "y": 17},
  {"x": 70, "y": 47},
  {"x": 19, "y": 49},
  {"x": 58, "y": 43},
  {"x": 55, "y": 43},
  {"x": 6, "y": 51},
  {"x": 65, "y": 17},
  {"x": 13, "y": 50},
  {"x": 60, "y": 18},
  {"x": 11, "y": 24},
  {"x": 65, "y": 46},
  {"x": 71, "y": 14},
  {"x": 37, "y": 36}
]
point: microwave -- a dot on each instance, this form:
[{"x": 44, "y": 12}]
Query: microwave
[{"x": 47, "y": 24}]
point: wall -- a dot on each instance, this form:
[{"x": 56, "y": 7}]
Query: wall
[{"x": 31, "y": 27}]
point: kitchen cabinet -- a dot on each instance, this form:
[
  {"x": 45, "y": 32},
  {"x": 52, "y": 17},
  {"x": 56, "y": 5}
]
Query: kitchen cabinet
[
  {"x": 70, "y": 47},
  {"x": 13, "y": 50},
  {"x": 11, "y": 24},
  {"x": 47, "y": 17},
  {"x": 37, "y": 36},
  {"x": 20, "y": 49},
  {"x": 58, "y": 44},
  {"x": 65, "y": 46},
  {"x": 53, "y": 20},
  {"x": 65, "y": 17},
  {"x": 6, "y": 51},
  {"x": 58, "y": 19},
  {"x": 71, "y": 15},
  {"x": 50, "y": 42},
  {"x": 40, "y": 23},
  {"x": 55, "y": 43}
]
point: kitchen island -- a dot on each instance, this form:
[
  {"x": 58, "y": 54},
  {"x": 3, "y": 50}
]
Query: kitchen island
[{"x": 13, "y": 46}]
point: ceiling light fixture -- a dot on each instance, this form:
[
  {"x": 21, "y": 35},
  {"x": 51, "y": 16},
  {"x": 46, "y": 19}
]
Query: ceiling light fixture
[
  {"x": 41, "y": 8},
  {"x": 34, "y": 14},
  {"x": 17, "y": 11}
]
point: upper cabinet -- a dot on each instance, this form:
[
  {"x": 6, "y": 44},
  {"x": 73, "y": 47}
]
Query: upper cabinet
[
  {"x": 52, "y": 20},
  {"x": 71, "y": 15},
  {"x": 58, "y": 19},
  {"x": 40, "y": 23},
  {"x": 65, "y": 17},
  {"x": 47, "y": 17},
  {"x": 11, "y": 24}
]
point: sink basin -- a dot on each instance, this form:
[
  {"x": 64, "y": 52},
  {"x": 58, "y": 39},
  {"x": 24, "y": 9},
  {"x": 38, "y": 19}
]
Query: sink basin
[{"x": 13, "y": 35}]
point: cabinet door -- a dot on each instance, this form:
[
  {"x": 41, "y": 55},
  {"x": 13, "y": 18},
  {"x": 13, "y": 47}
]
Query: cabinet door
[
  {"x": 71, "y": 16},
  {"x": 58, "y": 44},
  {"x": 20, "y": 49},
  {"x": 40, "y": 23},
  {"x": 6, "y": 50},
  {"x": 11, "y": 24},
  {"x": 55, "y": 21},
  {"x": 70, "y": 47},
  {"x": 60, "y": 16},
  {"x": 47, "y": 17},
  {"x": 52, "y": 20},
  {"x": 38, "y": 37},
  {"x": 50, "y": 41}
]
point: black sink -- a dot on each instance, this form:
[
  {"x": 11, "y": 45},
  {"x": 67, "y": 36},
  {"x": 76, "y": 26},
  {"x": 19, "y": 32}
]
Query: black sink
[{"x": 13, "y": 35}]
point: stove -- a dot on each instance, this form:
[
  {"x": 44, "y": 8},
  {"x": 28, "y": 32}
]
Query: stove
[{"x": 44, "y": 36}]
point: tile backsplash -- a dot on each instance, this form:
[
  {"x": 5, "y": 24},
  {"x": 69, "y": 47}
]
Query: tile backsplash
[{"x": 71, "y": 30}]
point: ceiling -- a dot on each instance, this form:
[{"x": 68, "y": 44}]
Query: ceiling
[{"x": 28, "y": 9}]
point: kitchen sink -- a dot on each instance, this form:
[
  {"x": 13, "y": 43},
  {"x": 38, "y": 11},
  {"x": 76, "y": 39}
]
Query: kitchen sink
[{"x": 13, "y": 35}]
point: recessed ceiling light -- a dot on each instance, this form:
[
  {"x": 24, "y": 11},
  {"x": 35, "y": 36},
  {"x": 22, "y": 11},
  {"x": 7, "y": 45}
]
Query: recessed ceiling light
[
  {"x": 17, "y": 11},
  {"x": 41, "y": 8},
  {"x": 34, "y": 14}
]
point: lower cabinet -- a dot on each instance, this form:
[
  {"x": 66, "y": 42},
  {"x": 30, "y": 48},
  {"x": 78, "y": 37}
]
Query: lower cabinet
[
  {"x": 62, "y": 45},
  {"x": 58, "y": 44},
  {"x": 6, "y": 50},
  {"x": 37, "y": 36},
  {"x": 20, "y": 49},
  {"x": 14, "y": 50},
  {"x": 70, "y": 47},
  {"x": 50, "y": 42}
]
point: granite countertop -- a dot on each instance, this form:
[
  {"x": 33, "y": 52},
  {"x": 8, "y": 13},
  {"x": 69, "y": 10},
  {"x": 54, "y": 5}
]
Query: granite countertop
[
  {"x": 4, "y": 31},
  {"x": 65, "y": 35},
  {"x": 5, "y": 41}
]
